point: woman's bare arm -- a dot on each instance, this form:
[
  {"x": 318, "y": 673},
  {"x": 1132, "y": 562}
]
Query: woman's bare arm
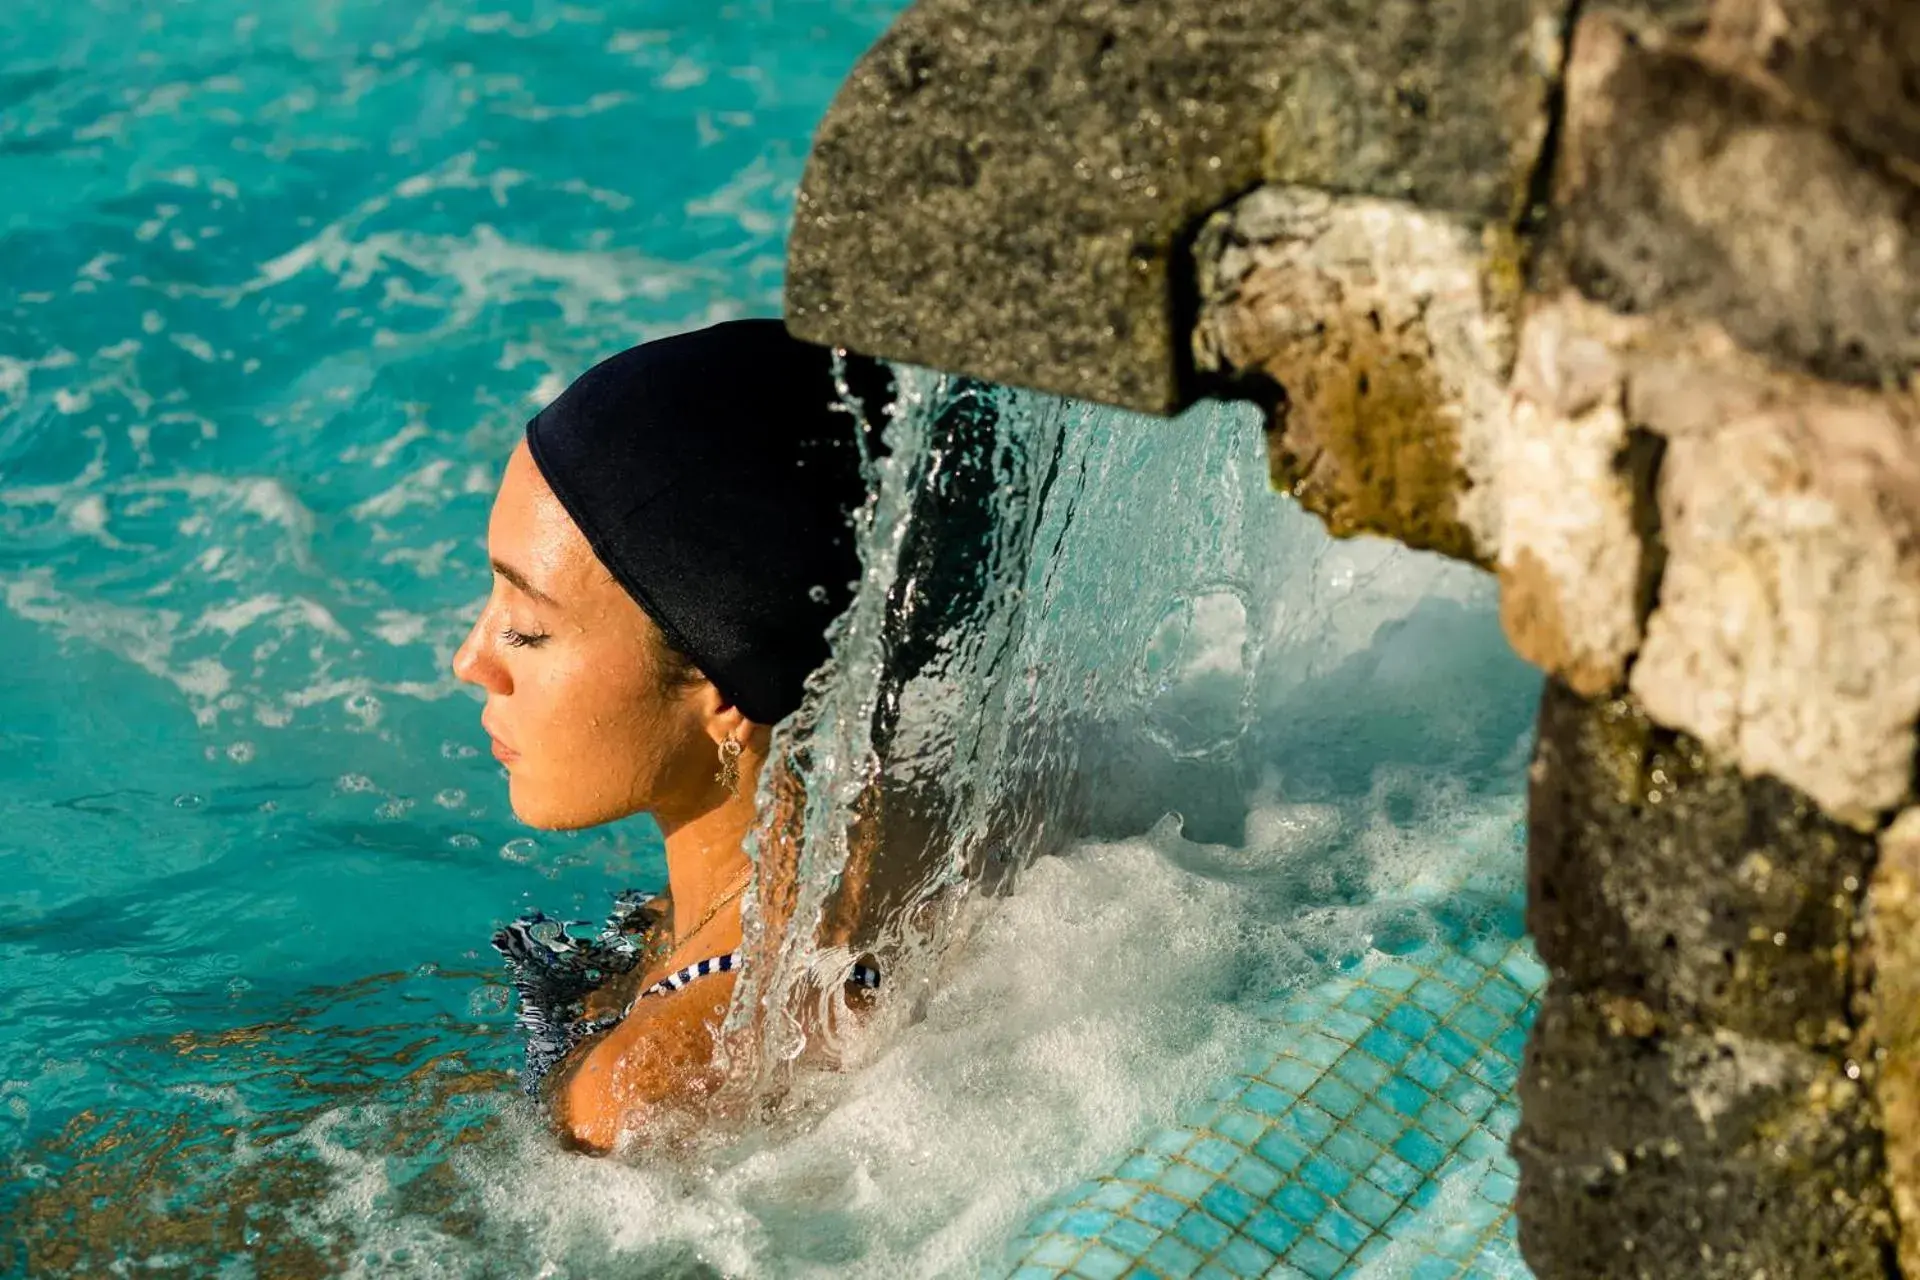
[{"x": 659, "y": 1058}]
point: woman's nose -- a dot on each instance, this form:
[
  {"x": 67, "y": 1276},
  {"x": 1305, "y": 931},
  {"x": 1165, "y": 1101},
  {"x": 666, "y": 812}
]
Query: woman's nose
[{"x": 473, "y": 663}]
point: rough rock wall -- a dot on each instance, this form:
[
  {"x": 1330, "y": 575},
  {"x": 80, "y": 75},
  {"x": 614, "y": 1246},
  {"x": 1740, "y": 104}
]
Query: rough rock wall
[
  {"x": 1689, "y": 445},
  {"x": 1619, "y": 299}
]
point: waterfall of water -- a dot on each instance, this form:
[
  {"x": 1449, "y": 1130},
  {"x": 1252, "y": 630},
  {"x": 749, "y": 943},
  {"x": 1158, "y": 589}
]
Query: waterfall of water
[{"x": 1070, "y": 619}]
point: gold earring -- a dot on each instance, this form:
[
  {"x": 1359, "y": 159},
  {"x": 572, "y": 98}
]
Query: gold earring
[{"x": 729, "y": 775}]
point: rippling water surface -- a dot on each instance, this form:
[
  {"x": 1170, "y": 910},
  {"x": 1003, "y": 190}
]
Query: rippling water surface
[{"x": 279, "y": 284}]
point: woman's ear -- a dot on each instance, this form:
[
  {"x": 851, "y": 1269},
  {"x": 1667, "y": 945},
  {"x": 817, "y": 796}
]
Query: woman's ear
[{"x": 722, "y": 719}]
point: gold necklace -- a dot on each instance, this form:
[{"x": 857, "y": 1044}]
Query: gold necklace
[{"x": 681, "y": 938}]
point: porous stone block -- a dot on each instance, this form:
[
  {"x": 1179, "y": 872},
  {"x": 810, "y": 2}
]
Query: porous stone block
[
  {"x": 1787, "y": 633},
  {"x": 1008, "y": 190},
  {"x": 1651, "y": 1155},
  {"x": 1675, "y": 886},
  {"x": 1696, "y": 1098},
  {"x": 1694, "y": 189},
  {"x": 1574, "y": 483},
  {"x": 1853, "y": 63},
  {"x": 1892, "y": 1005},
  {"x": 1379, "y": 321}
]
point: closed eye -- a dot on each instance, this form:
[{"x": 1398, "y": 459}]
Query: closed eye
[{"x": 522, "y": 639}]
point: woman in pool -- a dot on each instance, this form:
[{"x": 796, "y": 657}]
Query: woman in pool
[{"x": 669, "y": 545}]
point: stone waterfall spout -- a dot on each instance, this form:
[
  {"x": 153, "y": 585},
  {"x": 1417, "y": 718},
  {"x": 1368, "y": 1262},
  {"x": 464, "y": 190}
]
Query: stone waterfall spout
[
  {"x": 1014, "y": 187},
  {"x": 1620, "y": 300}
]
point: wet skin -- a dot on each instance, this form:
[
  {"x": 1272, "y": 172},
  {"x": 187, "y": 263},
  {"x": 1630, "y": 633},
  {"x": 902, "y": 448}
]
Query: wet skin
[{"x": 591, "y": 730}]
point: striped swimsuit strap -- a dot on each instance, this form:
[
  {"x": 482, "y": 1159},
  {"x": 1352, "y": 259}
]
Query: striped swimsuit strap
[
  {"x": 864, "y": 975},
  {"x": 681, "y": 977}
]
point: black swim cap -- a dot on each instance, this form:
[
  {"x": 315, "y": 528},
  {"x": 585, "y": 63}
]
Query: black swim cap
[{"x": 714, "y": 474}]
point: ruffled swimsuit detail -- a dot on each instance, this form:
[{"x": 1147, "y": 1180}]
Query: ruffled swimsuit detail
[{"x": 555, "y": 971}]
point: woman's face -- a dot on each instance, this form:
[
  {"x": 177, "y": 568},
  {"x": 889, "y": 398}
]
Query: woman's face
[{"x": 571, "y": 666}]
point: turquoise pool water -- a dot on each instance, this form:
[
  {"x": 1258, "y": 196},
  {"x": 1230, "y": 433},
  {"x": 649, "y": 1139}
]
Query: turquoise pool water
[{"x": 279, "y": 283}]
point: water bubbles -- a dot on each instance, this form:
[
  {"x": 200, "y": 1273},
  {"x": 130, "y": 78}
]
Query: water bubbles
[
  {"x": 188, "y": 801},
  {"x": 364, "y": 707},
  {"x": 241, "y": 753},
  {"x": 488, "y": 1001},
  {"x": 817, "y": 594},
  {"x": 457, "y": 751},
  {"x": 155, "y": 1009},
  {"x": 523, "y": 849},
  {"x": 353, "y": 783},
  {"x": 396, "y": 807},
  {"x": 461, "y": 840},
  {"x": 451, "y": 798}
]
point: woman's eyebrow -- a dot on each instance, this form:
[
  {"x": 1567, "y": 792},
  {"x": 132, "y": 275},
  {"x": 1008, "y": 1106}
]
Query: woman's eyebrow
[{"x": 519, "y": 580}]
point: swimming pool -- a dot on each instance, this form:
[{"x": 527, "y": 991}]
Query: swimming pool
[{"x": 282, "y": 283}]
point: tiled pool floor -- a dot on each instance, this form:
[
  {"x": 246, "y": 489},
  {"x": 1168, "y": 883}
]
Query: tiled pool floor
[{"x": 1369, "y": 1137}]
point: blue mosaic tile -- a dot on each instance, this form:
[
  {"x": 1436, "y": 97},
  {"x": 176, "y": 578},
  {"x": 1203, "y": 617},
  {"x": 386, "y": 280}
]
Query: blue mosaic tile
[
  {"x": 1263, "y": 1099},
  {"x": 1427, "y": 1070},
  {"x": 1341, "y": 1230},
  {"x": 1353, "y": 1150},
  {"x": 1394, "y": 976},
  {"x": 1346, "y": 1025},
  {"x": 1272, "y": 1231},
  {"x": 1141, "y": 1168},
  {"x": 1460, "y": 972},
  {"x": 1444, "y": 1123},
  {"x": 1172, "y": 1259},
  {"x": 1481, "y": 1024},
  {"x": 1203, "y": 1233},
  {"x": 1412, "y": 1022},
  {"x": 1394, "y": 1176},
  {"x": 1369, "y": 1203},
  {"x": 1309, "y": 1123},
  {"x": 1363, "y": 1072},
  {"x": 1086, "y": 1223},
  {"x": 1481, "y": 1145},
  {"x": 1229, "y": 1204},
  {"x": 1502, "y": 996},
  {"x": 1320, "y": 1050},
  {"x": 1455, "y": 1049},
  {"x": 1403, "y": 1096},
  {"x": 1302, "y": 1204},
  {"x": 1282, "y": 1151},
  {"x": 1101, "y": 1263},
  {"x": 1185, "y": 1181},
  {"x": 1215, "y": 1155},
  {"x": 1436, "y": 997},
  {"x": 1386, "y": 1086},
  {"x": 1387, "y": 1045},
  {"x": 1470, "y": 1098},
  {"x": 1244, "y": 1257},
  {"x": 1170, "y": 1142},
  {"x": 1256, "y": 1177},
  {"x": 1337, "y": 1098},
  {"x": 1292, "y": 1075},
  {"x": 1317, "y": 1258},
  {"x": 1242, "y": 1128},
  {"x": 1057, "y": 1251},
  {"x": 1130, "y": 1237}
]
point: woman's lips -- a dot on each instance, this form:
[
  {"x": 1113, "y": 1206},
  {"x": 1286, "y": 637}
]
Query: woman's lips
[{"x": 501, "y": 751}]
